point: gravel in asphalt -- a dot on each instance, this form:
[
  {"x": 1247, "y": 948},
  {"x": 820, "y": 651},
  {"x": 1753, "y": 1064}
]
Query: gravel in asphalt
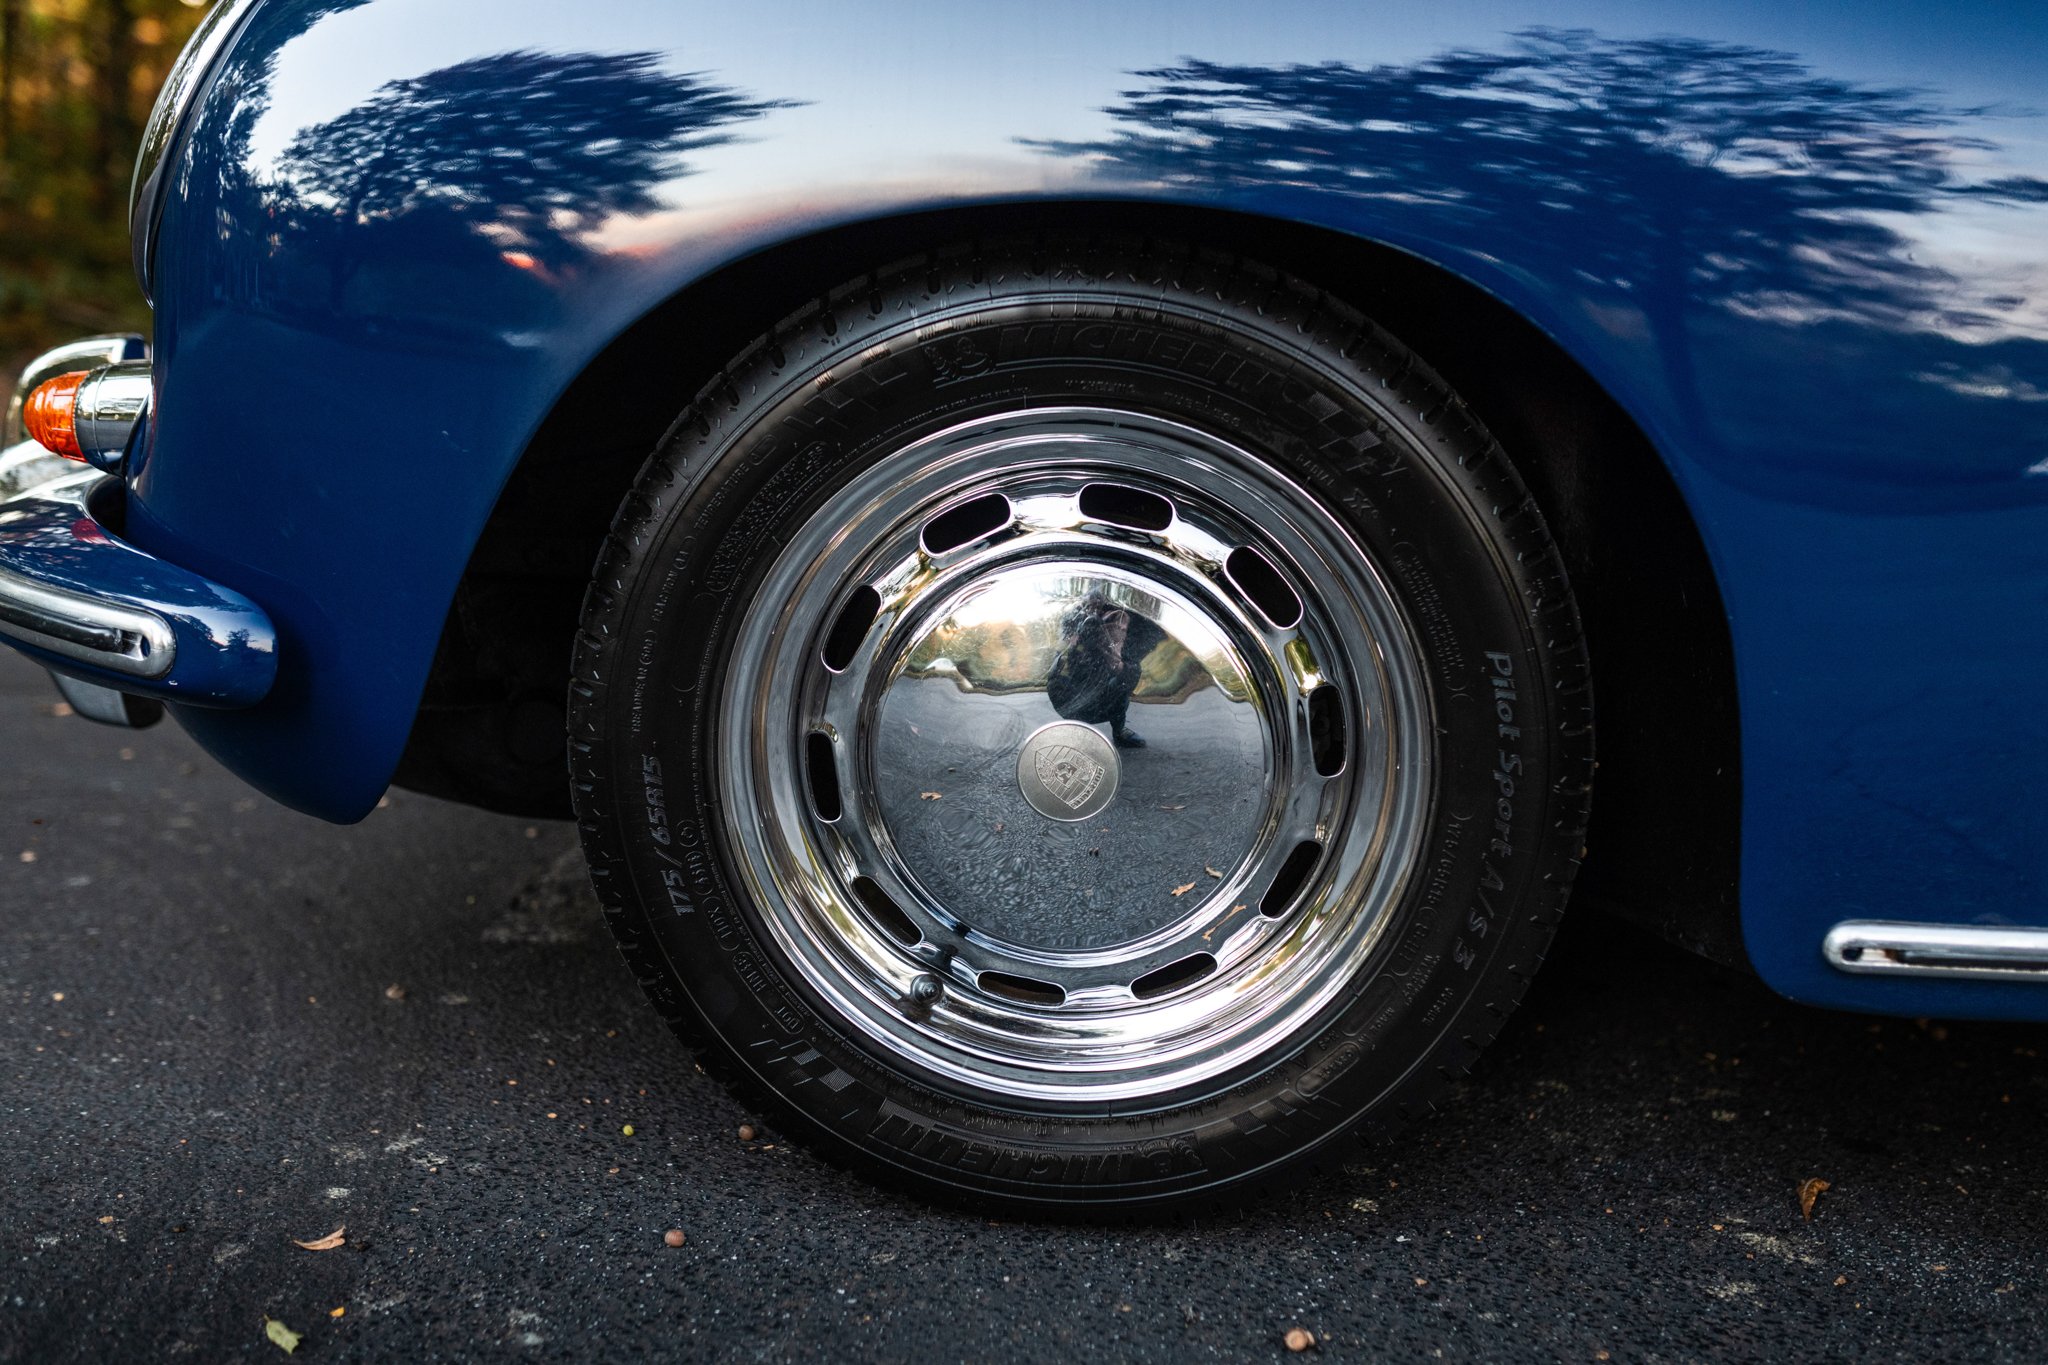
[{"x": 225, "y": 1028}]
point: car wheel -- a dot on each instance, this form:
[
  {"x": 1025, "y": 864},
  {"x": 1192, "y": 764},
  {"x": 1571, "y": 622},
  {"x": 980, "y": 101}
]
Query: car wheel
[{"x": 1072, "y": 724}]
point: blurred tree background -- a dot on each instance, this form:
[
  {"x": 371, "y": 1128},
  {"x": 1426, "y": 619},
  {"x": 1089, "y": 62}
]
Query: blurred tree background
[{"x": 77, "y": 78}]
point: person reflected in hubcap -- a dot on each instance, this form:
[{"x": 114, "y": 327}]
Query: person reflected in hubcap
[{"x": 1102, "y": 647}]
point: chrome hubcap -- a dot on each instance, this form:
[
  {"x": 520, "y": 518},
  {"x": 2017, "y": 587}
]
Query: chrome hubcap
[{"x": 1085, "y": 755}]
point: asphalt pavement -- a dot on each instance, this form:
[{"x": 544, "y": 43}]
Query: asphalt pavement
[{"x": 226, "y": 1028}]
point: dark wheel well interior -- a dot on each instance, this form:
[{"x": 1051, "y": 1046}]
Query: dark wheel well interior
[{"x": 1665, "y": 816}]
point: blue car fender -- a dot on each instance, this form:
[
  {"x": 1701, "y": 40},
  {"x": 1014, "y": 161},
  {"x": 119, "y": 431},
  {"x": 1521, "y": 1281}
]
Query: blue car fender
[{"x": 1806, "y": 254}]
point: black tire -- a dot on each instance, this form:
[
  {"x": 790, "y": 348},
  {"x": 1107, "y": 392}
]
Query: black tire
[{"x": 1260, "y": 360}]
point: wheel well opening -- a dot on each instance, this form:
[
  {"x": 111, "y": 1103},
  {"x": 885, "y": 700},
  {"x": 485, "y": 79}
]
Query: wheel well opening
[{"x": 1663, "y": 841}]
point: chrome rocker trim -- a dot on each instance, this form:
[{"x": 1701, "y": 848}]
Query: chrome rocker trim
[{"x": 1953, "y": 951}]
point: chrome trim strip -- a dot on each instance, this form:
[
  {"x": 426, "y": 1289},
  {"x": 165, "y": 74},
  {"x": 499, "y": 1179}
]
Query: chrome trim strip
[
  {"x": 71, "y": 625},
  {"x": 1976, "y": 952}
]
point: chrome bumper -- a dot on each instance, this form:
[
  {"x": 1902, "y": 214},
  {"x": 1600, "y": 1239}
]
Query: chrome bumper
[{"x": 87, "y": 604}]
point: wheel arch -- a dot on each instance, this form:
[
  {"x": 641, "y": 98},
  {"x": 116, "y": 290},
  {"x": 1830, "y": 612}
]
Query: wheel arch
[{"x": 1664, "y": 839}]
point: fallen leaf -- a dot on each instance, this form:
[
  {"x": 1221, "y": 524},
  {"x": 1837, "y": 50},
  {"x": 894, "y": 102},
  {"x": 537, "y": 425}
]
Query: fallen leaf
[
  {"x": 281, "y": 1336},
  {"x": 1810, "y": 1190},
  {"x": 1210, "y": 870},
  {"x": 1183, "y": 890},
  {"x": 1841, "y": 1280},
  {"x": 327, "y": 1243},
  {"x": 929, "y": 796},
  {"x": 336, "y": 1312},
  {"x": 1299, "y": 1338}
]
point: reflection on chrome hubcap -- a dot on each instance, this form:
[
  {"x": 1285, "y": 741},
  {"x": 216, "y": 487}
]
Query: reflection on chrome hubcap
[{"x": 1086, "y": 755}]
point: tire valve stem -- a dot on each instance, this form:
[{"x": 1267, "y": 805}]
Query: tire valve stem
[{"x": 925, "y": 990}]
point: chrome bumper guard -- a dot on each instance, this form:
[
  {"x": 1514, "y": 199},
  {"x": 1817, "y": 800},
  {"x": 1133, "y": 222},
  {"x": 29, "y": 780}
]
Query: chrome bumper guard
[
  {"x": 87, "y": 604},
  {"x": 122, "y": 640}
]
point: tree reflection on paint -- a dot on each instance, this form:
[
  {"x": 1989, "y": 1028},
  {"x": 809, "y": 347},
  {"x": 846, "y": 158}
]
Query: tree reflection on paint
[
  {"x": 1670, "y": 175},
  {"x": 476, "y": 185},
  {"x": 529, "y": 150},
  {"x": 1713, "y": 170}
]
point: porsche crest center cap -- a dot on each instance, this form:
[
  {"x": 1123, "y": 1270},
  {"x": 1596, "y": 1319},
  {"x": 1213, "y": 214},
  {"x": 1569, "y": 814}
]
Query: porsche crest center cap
[{"x": 1068, "y": 771}]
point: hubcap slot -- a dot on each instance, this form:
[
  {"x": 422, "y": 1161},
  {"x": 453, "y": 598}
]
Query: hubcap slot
[
  {"x": 821, "y": 766},
  {"x": 886, "y": 912},
  {"x": 1264, "y": 586},
  {"x": 1292, "y": 876},
  {"x": 1326, "y": 729},
  {"x": 851, "y": 627},
  {"x": 970, "y": 521},
  {"x": 1119, "y": 505}
]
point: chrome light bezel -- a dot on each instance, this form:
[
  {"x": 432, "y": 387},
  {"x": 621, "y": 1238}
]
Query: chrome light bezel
[{"x": 88, "y": 353}]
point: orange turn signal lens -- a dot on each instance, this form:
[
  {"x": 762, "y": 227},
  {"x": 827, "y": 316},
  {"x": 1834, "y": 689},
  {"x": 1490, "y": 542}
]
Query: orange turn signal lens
[{"x": 51, "y": 415}]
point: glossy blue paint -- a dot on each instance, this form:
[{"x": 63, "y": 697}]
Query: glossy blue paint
[
  {"x": 226, "y": 651},
  {"x": 1806, "y": 248}
]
